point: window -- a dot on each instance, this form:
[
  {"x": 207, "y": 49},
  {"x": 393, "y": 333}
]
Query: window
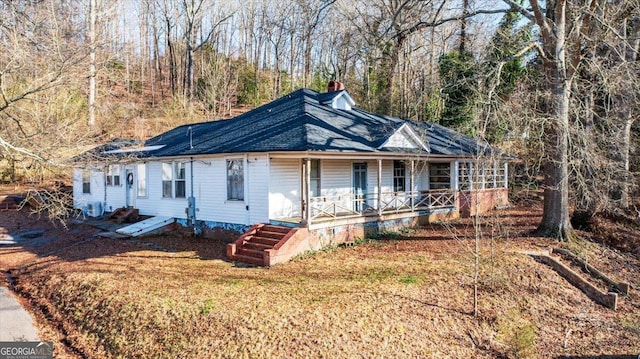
[
  {"x": 489, "y": 175},
  {"x": 113, "y": 175},
  {"x": 235, "y": 180},
  {"x": 439, "y": 176},
  {"x": 399, "y": 176},
  {"x": 142, "y": 180},
  {"x": 180, "y": 180},
  {"x": 464, "y": 176},
  {"x": 315, "y": 178},
  {"x": 501, "y": 174},
  {"x": 86, "y": 181},
  {"x": 173, "y": 180},
  {"x": 167, "y": 179}
]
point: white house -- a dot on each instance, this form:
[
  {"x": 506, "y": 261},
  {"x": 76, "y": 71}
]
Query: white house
[{"x": 308, "y": 163}]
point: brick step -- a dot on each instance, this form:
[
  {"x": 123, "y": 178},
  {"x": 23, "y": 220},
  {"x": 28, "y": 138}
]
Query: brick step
[
  {"x": 269, "y": 234},
  {"x": 129, "y": 215},
  {"x": 248, "y": 259},
  {"x": 8, "y": 203},
  {"x": 117, "y": 212},
  {"x": 263, "y": 240},
  {"x": 257, "y": 253},
  {"x": 276, "y": 229},
  {"x": 252, "y": 248},
  {"x": 257, "y": 246}
]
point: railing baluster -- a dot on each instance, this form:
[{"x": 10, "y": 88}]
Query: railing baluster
[{"x": 342, "y": 206}]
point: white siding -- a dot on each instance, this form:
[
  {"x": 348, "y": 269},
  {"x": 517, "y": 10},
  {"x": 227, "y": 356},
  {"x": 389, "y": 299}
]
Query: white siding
[
  {"x": 422, "y": 176},
  {"x": 112, "y": 197},
  {"x": 154, "y": 204},
  {"x": 80, "y": 200},
  {"x": 386, "y": 184},
  {"x": 336, "y": 177},
  {"x": 210, "y": 191},
  {"x": 284, "y": 188},
  {"x": 116, "y": 195},
  {"x": 209, "y": 188},
  {"x": 272, "y": 188},
  {"x": 258, "y": 189}
]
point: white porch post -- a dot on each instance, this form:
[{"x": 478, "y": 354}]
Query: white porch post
[
  {"x": 472, "y": 175},
  {"x": 306, "y": 191},
  {"x": 427, "y": 168},
  {"x": 454, "y": 176},
  {"x": 412, "y": 181},
  {"x": 506, "y": 175},
  {"x": 379, "y": 199}
]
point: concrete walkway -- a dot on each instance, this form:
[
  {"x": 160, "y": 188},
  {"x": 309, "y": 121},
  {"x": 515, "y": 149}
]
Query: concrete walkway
[{"x": 15, "y": 323}]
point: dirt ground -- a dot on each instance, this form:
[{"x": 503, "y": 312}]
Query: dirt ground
[{"x": 406, "y": 294}]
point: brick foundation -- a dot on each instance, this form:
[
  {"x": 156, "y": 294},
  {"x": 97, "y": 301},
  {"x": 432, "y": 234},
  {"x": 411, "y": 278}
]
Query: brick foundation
[{"x": 480, "y": 202}]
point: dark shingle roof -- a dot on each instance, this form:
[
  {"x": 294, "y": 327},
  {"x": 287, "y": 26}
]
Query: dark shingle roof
[{"x": 301, "y": 121}]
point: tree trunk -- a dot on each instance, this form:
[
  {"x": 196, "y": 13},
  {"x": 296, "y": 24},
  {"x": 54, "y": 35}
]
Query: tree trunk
[
  {"x": 172, "y": 59},
  {"x": 187, "y": 82},
  {"x": 626, "y": 150},
  {"x": 92, "y": 63},
  {"x": 386, "y": 77},
  {"x": 631, "y": 32},
  {"x": 307, "y": 58},
  {"x": 555, "y": 217}
]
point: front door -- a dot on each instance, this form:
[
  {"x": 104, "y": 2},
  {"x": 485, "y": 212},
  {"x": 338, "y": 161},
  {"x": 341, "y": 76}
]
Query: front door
[
  {"x": 359, "y": 186},
  {"x": 130, "y": 194}
]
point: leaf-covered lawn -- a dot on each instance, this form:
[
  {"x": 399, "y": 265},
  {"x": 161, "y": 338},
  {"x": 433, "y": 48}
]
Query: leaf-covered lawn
[{"x": 175, "y": 296}]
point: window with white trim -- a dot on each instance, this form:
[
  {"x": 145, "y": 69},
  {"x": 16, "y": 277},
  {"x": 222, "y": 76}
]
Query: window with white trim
[
  {"x": 314, "y": 185},
  {"x": 235, "y": 180},
  {"x": 179, "y": 185},
  {"x": 173, "y": 180},
  {"x": 141, "y": 170},
  {"x": 465, "y": 174},
  {"x": 113, "y": 175},
  {"x": 86, "y": 181},
  {"x": 399, "y": 176},
  {"x": 501, "y": 174},
  {"x": 439, "y": 176},
  {"x": 167, "y": 180}
]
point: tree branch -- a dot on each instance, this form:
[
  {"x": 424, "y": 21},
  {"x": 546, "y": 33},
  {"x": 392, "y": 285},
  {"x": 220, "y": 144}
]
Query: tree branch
[{"x": 425, "y": 24}]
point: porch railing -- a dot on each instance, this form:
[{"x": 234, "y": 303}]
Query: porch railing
[{"x": 356, "y": 205}]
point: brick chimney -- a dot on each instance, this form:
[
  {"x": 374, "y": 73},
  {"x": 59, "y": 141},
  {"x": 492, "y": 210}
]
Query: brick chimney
[{"x": 335, "y": 86}]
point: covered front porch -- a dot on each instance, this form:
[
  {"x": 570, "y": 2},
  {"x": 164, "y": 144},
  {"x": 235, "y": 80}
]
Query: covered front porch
[{"x": 338, "y": 191}]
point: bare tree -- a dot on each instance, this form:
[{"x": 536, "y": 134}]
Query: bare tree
[
  {"x": 39, "y": 54},
  {"x": 92, "y": 61},
  {"x": 312, "y": 14}
]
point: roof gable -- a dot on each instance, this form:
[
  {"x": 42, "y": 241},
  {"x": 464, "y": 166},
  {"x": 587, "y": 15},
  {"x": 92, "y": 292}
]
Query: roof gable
[
  {"x": 338, "y": 100},
  {"x": 405, "y": 138}
]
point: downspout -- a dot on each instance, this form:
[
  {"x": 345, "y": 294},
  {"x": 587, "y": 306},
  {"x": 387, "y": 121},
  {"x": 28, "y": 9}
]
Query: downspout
[
  {"x": 104, "y": 185},
  {"x": 191, "y": 204},
  {"x": 246, "y": 189}
]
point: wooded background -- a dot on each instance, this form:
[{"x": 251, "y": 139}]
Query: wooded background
[{"x": 553, "y": 82}]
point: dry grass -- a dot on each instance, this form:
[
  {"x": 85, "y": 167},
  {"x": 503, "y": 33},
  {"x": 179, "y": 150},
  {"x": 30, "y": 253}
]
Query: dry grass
[{"x": 408, "y": 297}]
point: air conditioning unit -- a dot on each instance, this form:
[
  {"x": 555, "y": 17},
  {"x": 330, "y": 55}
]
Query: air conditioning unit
[{"x": 94, "y": 209}]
